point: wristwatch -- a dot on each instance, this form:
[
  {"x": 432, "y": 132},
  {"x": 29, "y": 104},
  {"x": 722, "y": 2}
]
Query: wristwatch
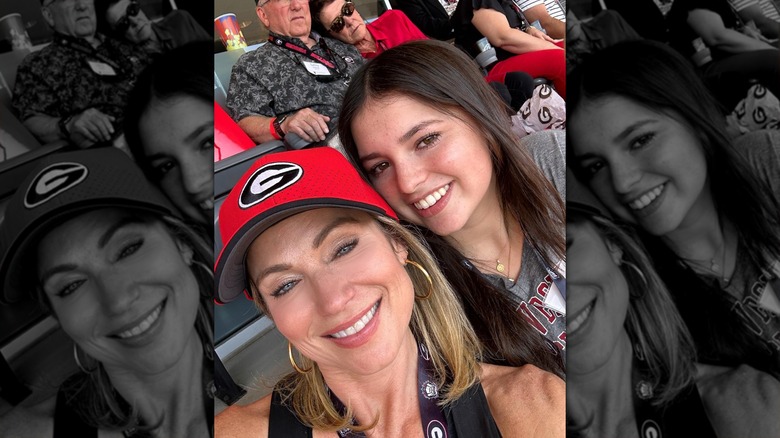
[
  {"x": 278, "y": 126},
  {"x": 63, "y": 125}
]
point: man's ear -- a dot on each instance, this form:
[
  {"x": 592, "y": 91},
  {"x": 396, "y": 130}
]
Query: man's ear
[
  {"x": 47, "y": 16},
  {"x": 262, "y": 16}
]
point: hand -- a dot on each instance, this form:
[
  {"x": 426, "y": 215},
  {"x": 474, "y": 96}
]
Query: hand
[
  {"x": 737, "y": 400},
  {"x": 90, "y": 126},
  {"x": 308, "y": 124},
  {"x": 534, "y": 32}
]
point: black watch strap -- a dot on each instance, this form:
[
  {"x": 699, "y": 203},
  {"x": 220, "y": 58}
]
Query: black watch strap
[
  {"x": 278, "y": 126},
  {"x": 63, "y": 125}
]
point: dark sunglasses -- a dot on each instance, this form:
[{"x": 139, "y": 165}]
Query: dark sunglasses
[
  {"x": 123, "y": 24},
  {"x": 338, "y": 22}
]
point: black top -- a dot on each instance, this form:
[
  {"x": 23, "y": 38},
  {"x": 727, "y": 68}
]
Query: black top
[
  {"x": 429, "y": 16},
  {"x": 681, "y": 35},
  {"x": 466, "y": 35},
  {"x": 467, "y": 417},
  {"x": 683, "y": 417}
]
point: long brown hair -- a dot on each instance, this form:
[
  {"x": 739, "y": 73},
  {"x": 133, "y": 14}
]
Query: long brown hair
[
  {"x": 445, "y": 78},
  {"x": 428, "y": 70}
]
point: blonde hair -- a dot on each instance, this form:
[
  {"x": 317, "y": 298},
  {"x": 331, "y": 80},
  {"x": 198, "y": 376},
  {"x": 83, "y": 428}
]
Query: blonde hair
[
  {"x": 653, "y": 323},
  {"x": 438, "y": 321}
]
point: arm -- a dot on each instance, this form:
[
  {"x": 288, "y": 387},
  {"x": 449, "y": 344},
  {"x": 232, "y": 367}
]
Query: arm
[
  {"x": 555, "y": 28},
  {"x": 85, "y": 128},
  {"x": 494, "y": 25},
  {"x": 737, "y": 400},
  {"x": 753, "y": 12},
  {"x": 308, "y": 124},
  {"x": 541, "y": 394},
  {"x": 244, "y": 421},
  {"x": 709, "y": 26}
]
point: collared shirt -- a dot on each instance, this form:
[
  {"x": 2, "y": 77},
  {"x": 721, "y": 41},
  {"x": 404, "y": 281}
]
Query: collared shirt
[
  {"x": 69, "y": 76},
  {"x": 272, "y": 81},
  {"x": 391, "y": 29}
]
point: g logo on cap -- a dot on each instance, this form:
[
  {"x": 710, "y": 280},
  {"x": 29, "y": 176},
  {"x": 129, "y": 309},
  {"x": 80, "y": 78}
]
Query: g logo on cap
[
  {"x": 53, "y": 180},
  {"x": 268, "y": 180}
]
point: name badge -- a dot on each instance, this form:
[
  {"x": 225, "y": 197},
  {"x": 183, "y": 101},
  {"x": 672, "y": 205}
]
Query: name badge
[
  {"x": 316, "y": 68},
  {"x": 101, "y": 68}
]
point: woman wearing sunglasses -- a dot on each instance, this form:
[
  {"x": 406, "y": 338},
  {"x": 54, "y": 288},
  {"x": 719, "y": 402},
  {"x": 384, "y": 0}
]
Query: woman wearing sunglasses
[
  {"x": 124, "y": 19},
  {"x": 339, "y": 19}
]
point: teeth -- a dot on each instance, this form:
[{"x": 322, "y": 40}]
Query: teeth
[
  {"x": 580, "y": 319},
  {"x": 430, "y": 200},
  {"x": 646, "y": 199},
  {"x": 359, "y": 325},
  {"x": 143, "y": 325},
  {"x": 207, "y": 204}
]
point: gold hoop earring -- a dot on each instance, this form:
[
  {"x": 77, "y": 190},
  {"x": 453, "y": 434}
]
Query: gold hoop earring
[
  {"x": 292, "y": 360},
  {"x": 641, "y": 275},
  {"x": 427, "y": 277},
  {"x": 78, "y": 361}
]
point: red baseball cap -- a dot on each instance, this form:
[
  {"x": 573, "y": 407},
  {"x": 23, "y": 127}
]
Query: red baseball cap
[
  {"x": 60, "y": 186},
  {"x": 276, "y": 187}
]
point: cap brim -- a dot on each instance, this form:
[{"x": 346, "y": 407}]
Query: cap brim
[{"x": 13, "y": 262}]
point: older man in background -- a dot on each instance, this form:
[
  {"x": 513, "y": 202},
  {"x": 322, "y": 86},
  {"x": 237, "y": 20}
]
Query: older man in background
[
  {"x": 75, "y": 88},
  {"x": 296, "y": 82}
]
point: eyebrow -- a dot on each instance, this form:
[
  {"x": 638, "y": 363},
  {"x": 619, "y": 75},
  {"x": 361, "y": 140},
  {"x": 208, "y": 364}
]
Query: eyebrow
[
  {"x": 321, "y": 236},
  {"x": 622, "y": 135},
  {"x": 121, "y": 223},
  {"x": 631, "y": 128},
  {"x": 405, "y": 137},
  {"x": 102, "y": 242},
  {"x": 56, "y": 270},
  {"x": 192, "y": 136},
  {"x": 327, "y": 229}
]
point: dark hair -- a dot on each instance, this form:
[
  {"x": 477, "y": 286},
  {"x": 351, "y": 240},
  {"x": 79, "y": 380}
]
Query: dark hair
[
  {"x": 181, "y": 72},
  {"x": 315, "y": 7},
  {"x": 91, "y": 395},
  {"x": 654, "y": 75},
  {"x": 427, "y": 70}
]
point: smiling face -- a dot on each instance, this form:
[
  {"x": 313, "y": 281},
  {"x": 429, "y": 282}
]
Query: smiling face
[
  {"x": 180, "y": 152},
  {"x": 121, "y": 288},
  {"x": 597, "y": 301},
  {"x": 434, "y": 169},
  {"x": 285, "y": 18},
  {"x": 139, "y": 27},
  {"x": 354, "y": 26},
  {"x": 646, "y": 166},
  {"x": 74, "y": 18},
  {"x": 336, "y": 288}
]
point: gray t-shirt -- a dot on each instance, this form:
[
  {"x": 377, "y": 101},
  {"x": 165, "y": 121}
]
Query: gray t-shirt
[{"x": 534, "y": 282}]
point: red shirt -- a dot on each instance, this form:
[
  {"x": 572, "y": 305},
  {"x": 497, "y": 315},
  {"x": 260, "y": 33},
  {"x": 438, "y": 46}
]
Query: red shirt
[{"x": 391, "y": 29}]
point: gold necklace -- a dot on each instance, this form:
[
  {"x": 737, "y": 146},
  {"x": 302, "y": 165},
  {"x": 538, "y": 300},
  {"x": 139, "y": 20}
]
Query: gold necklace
[
  {"x": 500, "y": 267},
  {"x": 718, "y": 269}
]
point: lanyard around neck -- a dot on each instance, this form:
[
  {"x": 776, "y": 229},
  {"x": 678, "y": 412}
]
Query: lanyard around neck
[
  {"x": 305, "y": 51},
  {"x": 433, "y": 422}
]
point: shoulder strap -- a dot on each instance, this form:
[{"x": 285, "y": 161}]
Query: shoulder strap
[
  {"x": 283, "y": 423},
  {"x": 470, "y": 416},
  {"x": 67, "y": 423}
]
